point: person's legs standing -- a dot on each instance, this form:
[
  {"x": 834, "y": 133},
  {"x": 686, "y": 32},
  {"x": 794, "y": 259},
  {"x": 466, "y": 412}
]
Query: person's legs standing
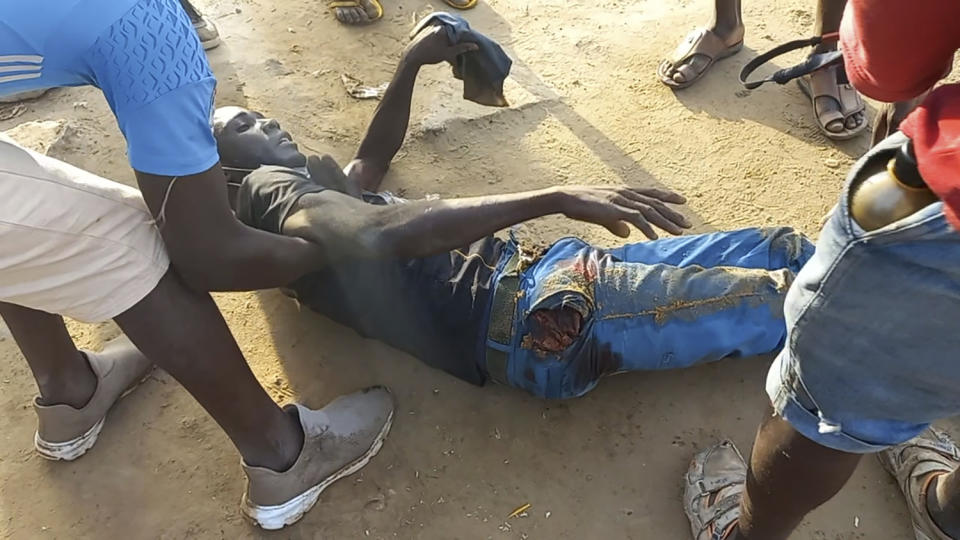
[
  {"x": 789, "y": 476},
  {"x": 88, "y": 248},
  {"x": 185, "y": 334},
  {"x": 62, "y": 373},
  {"x": 841, "y": 388}
]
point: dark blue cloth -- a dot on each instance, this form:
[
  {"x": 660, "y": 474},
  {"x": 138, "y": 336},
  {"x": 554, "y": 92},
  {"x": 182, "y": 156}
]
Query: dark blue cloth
[{"x": 482, "y": 71}]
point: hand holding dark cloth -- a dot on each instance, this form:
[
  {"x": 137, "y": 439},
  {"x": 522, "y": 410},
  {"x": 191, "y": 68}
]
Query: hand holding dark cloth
[{"x": 483, "y": 70}]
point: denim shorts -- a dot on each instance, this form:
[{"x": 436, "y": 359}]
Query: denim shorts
[{"x": 870, "y": 358}]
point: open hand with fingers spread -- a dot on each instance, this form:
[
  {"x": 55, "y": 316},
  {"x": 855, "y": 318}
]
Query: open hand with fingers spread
[
  {"x": 616, "y": 208},
  {"x": 431, "y": 46}
]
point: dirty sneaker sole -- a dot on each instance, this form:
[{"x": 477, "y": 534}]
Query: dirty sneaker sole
[
  {"x": 69, "y": 450},
  {"x": 73, "y": 449},
  {"x": 278, "y": 516}
]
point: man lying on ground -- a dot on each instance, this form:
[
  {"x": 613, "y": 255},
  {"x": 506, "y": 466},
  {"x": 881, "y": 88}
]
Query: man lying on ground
[{"x": 551, "y": 322}]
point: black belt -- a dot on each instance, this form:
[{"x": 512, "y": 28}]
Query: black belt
[
  {"x": 785, "y": 75},
  {"x": 502, "y": 311}
]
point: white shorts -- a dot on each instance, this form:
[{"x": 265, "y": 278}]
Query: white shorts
[{"x": 73, "y": 243}]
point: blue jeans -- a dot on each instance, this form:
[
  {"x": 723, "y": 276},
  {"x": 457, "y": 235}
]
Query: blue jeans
[
  {"x": 669, "y": 303},
  {"x": 871, "y": 354}
]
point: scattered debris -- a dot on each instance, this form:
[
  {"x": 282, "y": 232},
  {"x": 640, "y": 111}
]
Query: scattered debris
[
  {"x": 856, "y": 521},
  {"x": 357, "y": 89},
  {"x": 431, "y": 197},
  {"x": 521, "y": 511},
  {"x": 547, "y": 514},
  {"x": 79, "y": 104}
]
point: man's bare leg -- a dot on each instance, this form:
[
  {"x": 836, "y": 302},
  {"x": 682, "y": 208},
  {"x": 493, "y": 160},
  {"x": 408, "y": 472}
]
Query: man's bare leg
[
  {"x": 789, "y": 475},
  {"x": 943, "y": 503},
  {"x": 62, "y": 372},
  {"x": 184, "y": 333}
]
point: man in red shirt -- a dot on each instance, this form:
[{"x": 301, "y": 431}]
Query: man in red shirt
[{"x": 870, "y": 359}]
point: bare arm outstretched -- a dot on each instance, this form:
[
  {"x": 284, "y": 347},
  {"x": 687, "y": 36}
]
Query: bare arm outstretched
[
  {"x": 347, "y": 228},
  {"x": 389, "y": 125}
]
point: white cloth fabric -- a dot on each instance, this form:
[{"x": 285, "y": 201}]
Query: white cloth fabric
[{"x": 73, "y": 243}]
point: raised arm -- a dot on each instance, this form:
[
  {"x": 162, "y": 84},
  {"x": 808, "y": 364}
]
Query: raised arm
[
  {"x": 345, "y": 227},
  {"x": 389, "y": 125}
]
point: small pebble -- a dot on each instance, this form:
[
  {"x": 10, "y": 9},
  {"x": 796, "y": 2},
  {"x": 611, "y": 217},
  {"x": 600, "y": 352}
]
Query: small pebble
[{"x": 832, "y": 163}]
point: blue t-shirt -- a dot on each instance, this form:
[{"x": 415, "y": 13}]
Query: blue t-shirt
[{"x": 143, "y": 55}]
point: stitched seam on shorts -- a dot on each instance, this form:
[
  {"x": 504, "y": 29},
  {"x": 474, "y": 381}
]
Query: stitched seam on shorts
[
  {"x": 81, "y": 190},
  {"x": 83, "y": 235}
]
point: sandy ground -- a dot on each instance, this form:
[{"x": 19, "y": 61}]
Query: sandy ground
[{"x": 586, "y": 109}]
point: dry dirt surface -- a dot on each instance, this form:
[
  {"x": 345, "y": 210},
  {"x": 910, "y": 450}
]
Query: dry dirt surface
[{"x": 586, "y": 108}]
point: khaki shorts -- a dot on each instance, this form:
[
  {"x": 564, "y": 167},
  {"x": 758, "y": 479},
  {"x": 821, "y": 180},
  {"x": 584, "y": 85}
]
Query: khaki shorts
[{"x": 73, "y": 243}]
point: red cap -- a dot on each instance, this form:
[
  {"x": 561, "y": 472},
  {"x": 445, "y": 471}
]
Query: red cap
[{"x": 935, "y": 129}]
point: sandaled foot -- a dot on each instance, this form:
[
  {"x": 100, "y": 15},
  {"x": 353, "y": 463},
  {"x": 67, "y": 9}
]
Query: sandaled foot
[
  {"x": 916, "y": 463},
  {"x": 339, "y": 440},
  {"x": 837, "y": 106},
  {"x": 66, "y": 433},
  {"x": 696, "y": 53},
  {"x": 712, "y": 491},
  {"x": 461, "y": 4},
  {"x": 355, "y": 12}
]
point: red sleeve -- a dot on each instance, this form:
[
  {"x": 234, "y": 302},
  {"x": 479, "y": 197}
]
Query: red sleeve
[
  {"x": 895, "y": 50},
  {"x": 934, "y": 127}
]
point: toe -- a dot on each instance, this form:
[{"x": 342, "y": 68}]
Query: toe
[
  {"x": 370, "y": 10},
  {"x": 854, "y": 121},
  {"x": 687, "y": 72},
  {"x": 356, "y": 15},
  {"x": 665, "y": 70},
  {"x": 834, "y": 126}
]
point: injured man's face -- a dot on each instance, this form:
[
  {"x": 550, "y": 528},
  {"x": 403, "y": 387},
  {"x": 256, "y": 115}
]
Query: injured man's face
[{"x": 247, "y": 140}]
